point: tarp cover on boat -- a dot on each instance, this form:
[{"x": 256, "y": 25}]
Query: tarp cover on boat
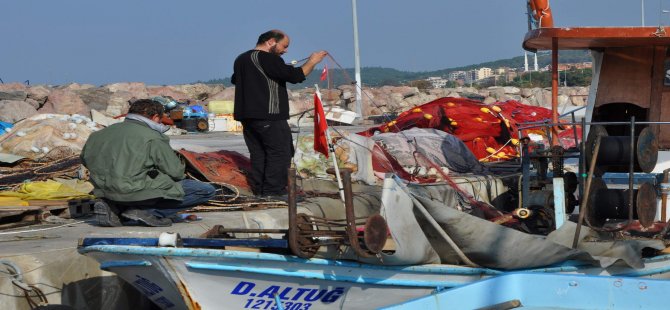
[{"x": 485, "y": 243}]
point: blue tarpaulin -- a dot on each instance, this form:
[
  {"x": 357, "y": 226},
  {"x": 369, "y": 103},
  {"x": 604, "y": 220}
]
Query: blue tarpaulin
[{"x": 4, "y": 126}]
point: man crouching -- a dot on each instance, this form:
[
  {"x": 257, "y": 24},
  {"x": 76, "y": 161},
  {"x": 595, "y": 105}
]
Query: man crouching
[{"x": 136, "y": 173}]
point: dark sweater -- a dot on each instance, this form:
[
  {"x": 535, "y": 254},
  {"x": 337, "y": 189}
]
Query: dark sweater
[{"x": 260, "y": 86}]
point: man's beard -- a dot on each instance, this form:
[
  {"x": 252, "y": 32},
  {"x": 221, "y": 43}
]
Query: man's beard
[{"x": 273, "y": 50}]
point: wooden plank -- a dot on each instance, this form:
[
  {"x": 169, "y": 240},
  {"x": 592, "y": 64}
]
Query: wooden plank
[
  {"x": 19, "y": 208},
  {"x": 44, "y": 202}
]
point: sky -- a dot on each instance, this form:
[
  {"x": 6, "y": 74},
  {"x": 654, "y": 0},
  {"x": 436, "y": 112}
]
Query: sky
[{"x": 162, "y": 42}]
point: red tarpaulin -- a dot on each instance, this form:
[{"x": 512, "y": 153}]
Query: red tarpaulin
[{"x": 221, "y": 167}]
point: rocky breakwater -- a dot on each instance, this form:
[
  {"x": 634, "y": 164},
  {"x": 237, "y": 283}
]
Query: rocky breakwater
[
  {"x": 387, "y": 99},
  {"x": 18, "y": 101}
]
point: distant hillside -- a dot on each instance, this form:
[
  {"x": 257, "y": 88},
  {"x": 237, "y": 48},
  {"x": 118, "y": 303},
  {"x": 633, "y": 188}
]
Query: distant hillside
[{"x": 378, "y": 76}]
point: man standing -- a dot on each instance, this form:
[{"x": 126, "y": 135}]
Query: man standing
[
  {"x": 261, "y": 105},
  {"x": 136, "y": 173}
]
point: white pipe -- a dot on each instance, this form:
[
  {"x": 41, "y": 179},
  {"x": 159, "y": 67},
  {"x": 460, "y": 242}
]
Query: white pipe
[{"x": 357, "y": 63}]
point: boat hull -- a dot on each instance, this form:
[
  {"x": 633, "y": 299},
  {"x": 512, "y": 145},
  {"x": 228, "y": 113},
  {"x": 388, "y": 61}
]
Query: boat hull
[{"x": 184, "y": 278}]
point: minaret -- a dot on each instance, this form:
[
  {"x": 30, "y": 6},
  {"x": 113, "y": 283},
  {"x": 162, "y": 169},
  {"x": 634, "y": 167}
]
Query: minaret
[
  {"x": 535, "y": 63},
  {"x": 525, "y": 61}
]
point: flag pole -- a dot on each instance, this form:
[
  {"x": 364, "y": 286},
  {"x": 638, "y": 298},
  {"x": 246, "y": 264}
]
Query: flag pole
[{"x": 331, "y": 150}]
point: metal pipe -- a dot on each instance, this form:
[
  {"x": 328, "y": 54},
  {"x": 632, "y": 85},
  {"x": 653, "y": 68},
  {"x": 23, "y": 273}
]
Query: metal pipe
[
  {"x": 631, "y": 169},
  {"x": 251, "y": 230},
  {"x": 525, "y": 176},
  {"x": 583, "y": 205},
  {"x": 546, "y": 124},
  {"x": 357, "y": 62},
  {"x": 351, "y": 216},
  {"x": 582, "y": 159},
  {"x": 664, "y": 195},
  {"x": 554, "y": 90}
]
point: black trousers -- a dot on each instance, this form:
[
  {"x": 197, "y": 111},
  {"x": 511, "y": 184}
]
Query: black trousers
[{"x": 270, "y": 147}]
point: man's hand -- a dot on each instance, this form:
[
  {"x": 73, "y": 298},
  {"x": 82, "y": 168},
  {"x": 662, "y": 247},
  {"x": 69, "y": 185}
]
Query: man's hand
[{"x": 313, "y": 60}]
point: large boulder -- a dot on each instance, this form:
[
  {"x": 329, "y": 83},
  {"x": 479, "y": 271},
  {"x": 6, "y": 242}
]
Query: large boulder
[
  {"x": 226, "y": 94},
  {"x": 96, "y": 98},
  {"x": 526, "y": 92},
  {"x": 39, "y": 93},
  {"x": 76, "y": 86},
  {"x": 34, "y": 103},
  {"x": 136, "y": 89},
  {"x": 13, "y": 95},
  {"x": 166, "y": 91},
  {"x": 497, "y": 92},
  {"x": 12, "y": 111},
  {"x": 511, "y": 90},
  {"x": 490, "y": 100},
  {"x": 199, "y": 91},
  {"x": 13, "y": 87},
  {"x": 63, "y": 101},
  {"x": 578, "y": 100},
  {"x": 119, "y": 103}
]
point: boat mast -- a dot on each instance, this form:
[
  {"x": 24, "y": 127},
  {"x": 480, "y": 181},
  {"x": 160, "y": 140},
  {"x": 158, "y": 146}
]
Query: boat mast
[{"x": 357, "y": 62}]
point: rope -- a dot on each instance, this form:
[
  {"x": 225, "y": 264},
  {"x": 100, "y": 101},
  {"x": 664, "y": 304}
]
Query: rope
[
  {"x": 40, "y": 229},
  {"x": 14, "y": 271}
]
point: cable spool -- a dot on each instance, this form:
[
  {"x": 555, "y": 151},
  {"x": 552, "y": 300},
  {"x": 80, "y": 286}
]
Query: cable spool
[
  {"x": 614, "y": 153},
  {"x": 604, "y": 203}
]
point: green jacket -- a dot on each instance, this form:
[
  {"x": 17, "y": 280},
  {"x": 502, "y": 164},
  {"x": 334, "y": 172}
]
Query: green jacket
[{"x": 129, "y": 161}]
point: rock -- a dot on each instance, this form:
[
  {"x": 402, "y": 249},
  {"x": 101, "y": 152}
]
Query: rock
[
  {"x": 582, "y": 91},
  {"x": 497, "y": 92},
  {"x": 454, "y": 95},
  {"x": 563, "y": 100},
  {"x": 346, "y": 95},
  {"x": 438, "y": 92},
  {"x": 63, "y": 101},
  {"x": 489, "y": 100},
  {"x": 199, "y": 91},
  {"x": 166, "y": 91},
  {"x": 578, "y": 100},
  {"x": 13, "y": 87},
  {"x": 512, "y": 90},
  {"x": 34, "y": 103},
  {"x": 39, "y": 93},
  {"x": 118, "y": 103},
  {"x": 12, "y": 111},
  {"x": 95, "y": 98},
  {"x": 417, "y": 100},
  {"x": 76, "y": 86},
  {"x": 19, "y": 95},
  {"x": 226, "y": 94},
  {"x": 526, "y": 92},
  {"x": 330, "y": 94},
  {"x": 131, "y": 87}
]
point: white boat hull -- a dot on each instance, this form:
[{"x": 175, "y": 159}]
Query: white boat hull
[{"x": 182, "y": 278}]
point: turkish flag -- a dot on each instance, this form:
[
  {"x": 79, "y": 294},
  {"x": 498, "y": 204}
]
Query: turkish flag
[
  {"x": 320, "y": 127},
  {"x": 324, "y": 73}
]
